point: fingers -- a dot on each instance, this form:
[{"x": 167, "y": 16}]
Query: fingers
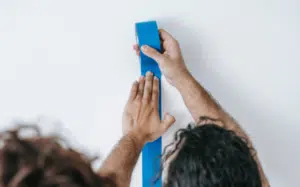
[
  {"x": 136, "y": 49},
  {"x": 167, "y": 121},
  {"x": 155, "y": 92},
  {"x": 134, "y": 90},
  {"x": 169, "y": 43},
  {"x": 165, "y": 36},
  {"x": 153, "y": 53},
  {"x": 141, "y": 88},
  {"x": 148, "y": 87}
]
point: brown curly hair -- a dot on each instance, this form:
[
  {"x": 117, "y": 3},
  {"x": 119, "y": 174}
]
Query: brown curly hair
[{"x": 43, "y": 162}]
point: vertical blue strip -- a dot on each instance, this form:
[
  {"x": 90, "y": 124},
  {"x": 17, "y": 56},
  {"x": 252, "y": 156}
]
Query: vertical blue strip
[{"x": 147, "y": 34}]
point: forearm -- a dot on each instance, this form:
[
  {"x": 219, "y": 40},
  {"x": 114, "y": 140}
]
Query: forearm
[
  {"x": 120, "y": 163},
  {"x": 197, "y": 99},
  {"x": 201, "y": 103}
]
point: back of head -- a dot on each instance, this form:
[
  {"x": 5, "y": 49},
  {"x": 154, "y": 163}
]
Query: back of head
[
  {"x": 211, "y": 156},
  {"x": 42, "y": 162}
]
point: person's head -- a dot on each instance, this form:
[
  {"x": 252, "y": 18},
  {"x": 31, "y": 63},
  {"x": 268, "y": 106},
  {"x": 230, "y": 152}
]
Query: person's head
[
  {"x": 210, "y": 156},
  {"x": 42, "y": 162}
]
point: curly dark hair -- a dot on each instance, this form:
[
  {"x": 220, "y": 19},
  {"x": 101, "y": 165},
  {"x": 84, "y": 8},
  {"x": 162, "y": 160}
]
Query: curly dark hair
[
  {"x": 210, "y": 156},
  {"x": 43, "y": 162}
]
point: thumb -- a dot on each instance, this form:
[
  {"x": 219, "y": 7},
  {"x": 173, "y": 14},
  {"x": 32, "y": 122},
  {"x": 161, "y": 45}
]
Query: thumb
[
  {"x": 167, "y": 121},
  {"x": 152, "y": 53}
]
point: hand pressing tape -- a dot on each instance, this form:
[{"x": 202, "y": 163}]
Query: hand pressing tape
[{"x": 147, "y": 34}]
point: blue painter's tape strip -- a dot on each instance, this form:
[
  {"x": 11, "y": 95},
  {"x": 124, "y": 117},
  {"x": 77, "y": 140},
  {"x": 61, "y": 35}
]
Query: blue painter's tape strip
[{"x": 147, "y": 34}]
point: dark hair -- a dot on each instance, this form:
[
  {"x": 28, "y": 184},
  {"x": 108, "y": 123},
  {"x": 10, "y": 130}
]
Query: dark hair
[
  {"x": 42, "y": 162},
  {"x": 211, "y": 156}
]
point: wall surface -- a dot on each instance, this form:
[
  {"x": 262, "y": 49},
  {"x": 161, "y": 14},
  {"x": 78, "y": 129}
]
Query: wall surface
[{"x": 68, "y": 65}]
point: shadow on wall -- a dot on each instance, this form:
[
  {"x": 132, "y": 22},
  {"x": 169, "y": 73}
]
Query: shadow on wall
[{"x": 266, "y": 130}]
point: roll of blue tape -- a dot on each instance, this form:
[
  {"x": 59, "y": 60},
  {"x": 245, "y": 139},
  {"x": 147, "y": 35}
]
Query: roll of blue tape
[{"x": 147, "y": 34}]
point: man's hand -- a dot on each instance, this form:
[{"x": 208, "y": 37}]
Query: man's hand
[
  {"x": 141, "y": 117},
  {"x": 141, "y": 124},
  {"x": 197, "y": 99},
  {"x": 170, "y": 61}
]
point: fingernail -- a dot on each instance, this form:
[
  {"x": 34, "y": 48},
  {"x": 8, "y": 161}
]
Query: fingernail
[
  {"x": 167, "y": 115},
  {"x": 149, "y": 73},
  {"x": 145, "y": 47},
  {"x": 155, "y": 78},
  {"x": 141, "y": 78}
]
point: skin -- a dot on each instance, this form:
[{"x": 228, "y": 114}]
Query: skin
[{"x": 141, "y": 126}]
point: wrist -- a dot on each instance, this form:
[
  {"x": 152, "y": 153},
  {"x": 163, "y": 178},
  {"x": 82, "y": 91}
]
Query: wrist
[{"x": 137, "y": 137}]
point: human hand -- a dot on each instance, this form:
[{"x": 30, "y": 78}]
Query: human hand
[
  {"x": 170, "y": 61},
  {"x": 141, "y": 116}
]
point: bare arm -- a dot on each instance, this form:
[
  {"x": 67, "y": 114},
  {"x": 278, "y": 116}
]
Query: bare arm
[
  {"x": 141, "y": 124},
  {"x": 196, "y": 98},
  {"x": 193, "y": 94},
  {"x": 120, "y": 163}
]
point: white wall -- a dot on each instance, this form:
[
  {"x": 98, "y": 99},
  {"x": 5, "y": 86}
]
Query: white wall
[{"x": 72, "y": 61}]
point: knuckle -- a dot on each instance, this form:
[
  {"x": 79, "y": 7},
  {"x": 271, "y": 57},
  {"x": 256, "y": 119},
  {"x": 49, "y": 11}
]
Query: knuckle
[
  {"x": 175, "y": 42},
  {"x": 153, "y": 104},
  {"x": 148, "y": 89},
  {"x": 141, "y": 92},
  {"x": 137, "y": 100},
  {"x": 154, "y": 96},
  {"x": 145, "y": 99},
  {"x": 137, "y": 105}
]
